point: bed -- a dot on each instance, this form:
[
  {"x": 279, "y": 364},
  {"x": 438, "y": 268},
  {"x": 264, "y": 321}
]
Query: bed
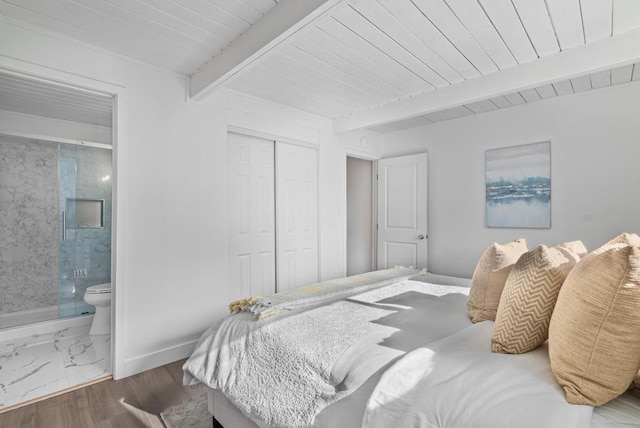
[{"x": 397, "y": 351}]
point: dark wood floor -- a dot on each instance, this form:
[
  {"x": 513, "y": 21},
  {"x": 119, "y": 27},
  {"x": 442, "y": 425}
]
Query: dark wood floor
[{"x": 132, "y": 402}]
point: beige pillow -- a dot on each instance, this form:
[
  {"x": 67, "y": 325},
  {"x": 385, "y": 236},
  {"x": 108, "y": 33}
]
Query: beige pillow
[
  {"x": 528, "y": 299},
  {"x": 594, "y": 340},
  {"x": 574, "y": 249},
  {"x": 489, "y": 278}
]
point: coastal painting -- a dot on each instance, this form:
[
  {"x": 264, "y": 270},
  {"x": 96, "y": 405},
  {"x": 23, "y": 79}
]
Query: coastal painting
[{"x": 519, "y": 186}]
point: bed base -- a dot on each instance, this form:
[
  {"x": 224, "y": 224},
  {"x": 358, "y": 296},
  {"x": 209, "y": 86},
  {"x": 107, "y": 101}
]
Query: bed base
[
  {"x": 224, "y": 413},
  {"x": 215, "y": 422}
]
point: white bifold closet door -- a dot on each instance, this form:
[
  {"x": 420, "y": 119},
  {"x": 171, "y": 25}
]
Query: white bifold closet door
[
  {"x": 296, "y": 215},
  {"x": 273, "y": 204},
  {"x": 252, "y": 239}
]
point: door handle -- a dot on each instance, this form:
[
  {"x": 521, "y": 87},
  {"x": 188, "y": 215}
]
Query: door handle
[
  {"x": 64, "y": 225},
  {"x": 421, "y": 236}
]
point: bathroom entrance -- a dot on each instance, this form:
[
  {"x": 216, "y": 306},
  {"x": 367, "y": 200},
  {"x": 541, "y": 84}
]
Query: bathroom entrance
[{"x": 55, "y": 237}]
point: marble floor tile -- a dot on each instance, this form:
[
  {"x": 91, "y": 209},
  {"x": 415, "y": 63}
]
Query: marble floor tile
[{"x": 41, "y": 364}]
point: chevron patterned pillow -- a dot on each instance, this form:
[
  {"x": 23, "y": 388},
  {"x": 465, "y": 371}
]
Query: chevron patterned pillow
[
  {"x": 594, "y": 345},
  {"x": 528, "y": 299},
  {"x": 489, "y": 278}
]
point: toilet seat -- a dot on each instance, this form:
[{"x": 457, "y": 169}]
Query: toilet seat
[{"x": 99, "y": 289}]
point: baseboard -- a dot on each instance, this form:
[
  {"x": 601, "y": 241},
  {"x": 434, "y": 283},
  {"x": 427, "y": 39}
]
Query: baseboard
[{"x": 135, "y": 365}]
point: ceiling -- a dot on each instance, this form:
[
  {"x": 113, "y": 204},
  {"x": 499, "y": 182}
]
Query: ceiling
[
  {"x": 369, "y": 53},
  {"x": 31, "y": 96},
  {"x": 381, "y": 60},
  {"x": 598, "y": 80},
  {"x": 179, "y": 35}
]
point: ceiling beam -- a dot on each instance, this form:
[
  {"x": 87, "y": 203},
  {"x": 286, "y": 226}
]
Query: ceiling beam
[
  {"x": 607, "y": 53},
  {"x": 281, "y": 22}
]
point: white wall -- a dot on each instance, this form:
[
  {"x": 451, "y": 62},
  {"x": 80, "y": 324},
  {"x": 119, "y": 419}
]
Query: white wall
[
  {"x": 171, "y": 231},
  {"x": 172, "y": 249},
  {"x": 594, "y": 172}
]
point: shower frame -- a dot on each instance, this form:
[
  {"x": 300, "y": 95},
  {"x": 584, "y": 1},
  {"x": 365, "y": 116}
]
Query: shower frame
[{"x": 82, "y": 223}]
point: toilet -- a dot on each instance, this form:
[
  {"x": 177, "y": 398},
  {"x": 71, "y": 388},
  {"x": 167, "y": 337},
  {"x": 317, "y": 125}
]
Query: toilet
[{"x": 100, "y": 297}]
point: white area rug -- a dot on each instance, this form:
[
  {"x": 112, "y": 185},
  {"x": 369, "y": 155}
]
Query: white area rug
[{"x": 190, "y": 414}]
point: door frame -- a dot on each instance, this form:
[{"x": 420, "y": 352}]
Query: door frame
[
  {"x": 372, "y": 211},
  {"x": 119, "y": 132},
  {"x": 373, "y": 158}
]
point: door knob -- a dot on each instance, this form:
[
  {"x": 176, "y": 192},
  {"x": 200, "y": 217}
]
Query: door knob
[{"x": 421, "y": 236}]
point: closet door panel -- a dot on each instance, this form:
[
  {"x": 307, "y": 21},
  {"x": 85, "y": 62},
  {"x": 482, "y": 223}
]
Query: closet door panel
[
  {"x": 297, "y": 215},
  {"x": 251, "y": 215}
]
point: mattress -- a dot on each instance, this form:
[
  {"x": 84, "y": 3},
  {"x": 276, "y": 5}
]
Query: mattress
[
  {"x": 459, "y": 382},
  {"x": 374, "y": 355},
  {"x": 623, "y": 412},
  {"x": 365, "y": 362}
]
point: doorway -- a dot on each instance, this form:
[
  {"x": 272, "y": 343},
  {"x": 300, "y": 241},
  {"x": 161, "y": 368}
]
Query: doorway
[
  {"x": 56, "y": 189},
  {"x": 360, "y": 222}
]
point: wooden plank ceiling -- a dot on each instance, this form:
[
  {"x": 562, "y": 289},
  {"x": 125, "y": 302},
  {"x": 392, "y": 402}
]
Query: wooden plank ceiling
[
  {"x": 588, "y": 82},
  {"x": 36, "y": 97},
  {"x": 179, "y": 35},
  {"x": 367, "y": 53},
  {"x": 358, "y": 55}
]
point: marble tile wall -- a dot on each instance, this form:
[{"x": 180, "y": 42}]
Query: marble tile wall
[
  {"x": 36, "y": 266},
  {"x": 28, "y": 224}
]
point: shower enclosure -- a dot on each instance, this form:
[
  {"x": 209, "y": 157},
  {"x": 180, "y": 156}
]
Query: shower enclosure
[{"x": 55, "y": 228}]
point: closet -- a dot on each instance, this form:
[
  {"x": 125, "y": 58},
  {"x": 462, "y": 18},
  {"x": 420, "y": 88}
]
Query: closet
[{"x": 273, "y": 215}]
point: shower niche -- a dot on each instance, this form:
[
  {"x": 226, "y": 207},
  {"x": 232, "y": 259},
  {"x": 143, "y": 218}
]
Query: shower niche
[{"x": 84, "y": 214}]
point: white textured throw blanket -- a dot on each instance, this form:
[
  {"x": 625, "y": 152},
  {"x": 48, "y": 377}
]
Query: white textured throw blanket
[
  {"x": 278, "y": 370},
  {"x": 319, "y": 293}
]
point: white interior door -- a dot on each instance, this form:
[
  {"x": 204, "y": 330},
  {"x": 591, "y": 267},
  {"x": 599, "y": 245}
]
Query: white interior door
[
  {"x": 251, "y": 215},
  {"x": 297, "y": 215},
  {"x": 402, "y": 211}
]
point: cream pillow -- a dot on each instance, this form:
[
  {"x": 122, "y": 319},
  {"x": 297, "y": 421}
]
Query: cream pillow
[
  {"x": 489, "y": 278},
  {"x": 594, "y": 344},
  {"x": 528, "y": 298},
  {"x": 574, "y": 249}
]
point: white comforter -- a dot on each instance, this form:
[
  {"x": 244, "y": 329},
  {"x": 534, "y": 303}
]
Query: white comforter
[
  {"x": 459, "y": 382},
  {"x": 282, "y": 371}
]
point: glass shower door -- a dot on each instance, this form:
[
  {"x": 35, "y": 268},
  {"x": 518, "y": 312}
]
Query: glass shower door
[{"x": 84, "y": 201}]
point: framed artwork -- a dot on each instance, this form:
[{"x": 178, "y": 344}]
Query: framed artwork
[{"x": 518, "y": 186}]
